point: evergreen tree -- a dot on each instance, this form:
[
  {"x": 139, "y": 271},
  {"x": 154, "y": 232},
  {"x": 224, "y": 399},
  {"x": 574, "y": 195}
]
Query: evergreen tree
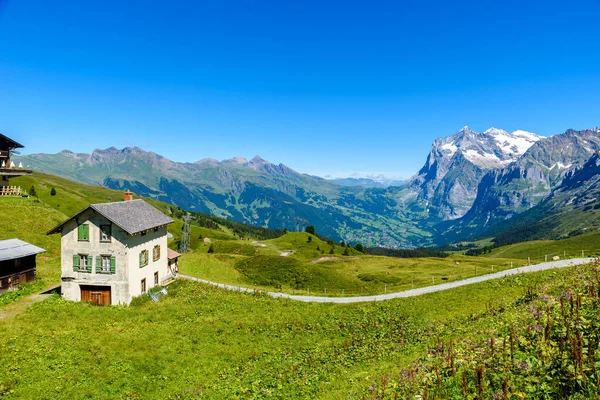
[
  {"x": 53, "y": 192},
  {"x": 309, "y": 239},
  {"x": 310, "y": 229},
  {"x": 32, "y": 191},
  {"x": 359, "y": 247},
  {"x": 211, "y": 248},
  {"x": 346, "y": 251}
]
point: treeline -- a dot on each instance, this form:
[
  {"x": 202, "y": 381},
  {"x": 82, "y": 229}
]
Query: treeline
[
  {"x": 480, "y": 251},
  {"x": 239, "y": 229},
  {"x": 405, "y": 253}
]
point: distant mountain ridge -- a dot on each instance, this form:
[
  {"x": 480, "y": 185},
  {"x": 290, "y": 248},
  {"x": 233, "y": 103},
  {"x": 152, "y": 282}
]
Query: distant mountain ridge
[{"x": 470, "y": 183}]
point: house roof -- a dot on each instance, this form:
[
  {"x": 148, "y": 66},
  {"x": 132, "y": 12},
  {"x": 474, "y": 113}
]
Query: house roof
[
  {"x": 11, "y": 143},
  {"x": 171, "y": 254},
  {"x": 132, "y": 216},
  {"x": 14, "y": 248}
]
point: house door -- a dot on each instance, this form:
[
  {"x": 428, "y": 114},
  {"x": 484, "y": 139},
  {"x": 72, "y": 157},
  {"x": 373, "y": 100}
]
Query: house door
[{"x": 96, "y": 295}]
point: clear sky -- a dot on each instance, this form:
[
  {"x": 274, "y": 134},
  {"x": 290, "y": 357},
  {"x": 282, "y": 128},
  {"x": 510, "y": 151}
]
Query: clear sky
[{"x": 324, "y": 87}]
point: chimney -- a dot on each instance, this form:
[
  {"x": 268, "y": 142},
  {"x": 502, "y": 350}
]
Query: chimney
[{"x": 127, "y": 195}]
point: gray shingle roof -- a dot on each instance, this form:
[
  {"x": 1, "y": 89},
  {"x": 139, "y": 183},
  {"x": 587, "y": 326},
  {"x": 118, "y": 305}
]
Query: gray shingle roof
[
  {"x": 15, "y": 248},
  {"x": 132, "y": 216}
]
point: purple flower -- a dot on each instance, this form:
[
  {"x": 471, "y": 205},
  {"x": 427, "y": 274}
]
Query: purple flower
[
  {"x": 523, "y": 366},
  {"x": 372, "y": 388},
  {"x": 537, "y": 328},
  {"x": 568, "y": 295},
  {"x": 498, "y": 395},
  {"x": 546, "y": 298}
]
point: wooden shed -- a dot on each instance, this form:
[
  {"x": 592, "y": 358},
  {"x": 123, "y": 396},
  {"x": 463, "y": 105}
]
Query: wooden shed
[
  {"x": 173, "y": 257},
  {"x": 17, "y": 262}
]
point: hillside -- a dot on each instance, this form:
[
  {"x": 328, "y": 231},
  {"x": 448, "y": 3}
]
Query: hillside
[{"x": 232, "y": 345}]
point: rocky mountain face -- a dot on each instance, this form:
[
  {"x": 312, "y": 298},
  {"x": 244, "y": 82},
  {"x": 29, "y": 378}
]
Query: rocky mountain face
[
  {"x": 470, "y": 183},
  {"x": 448, "y": 183},
  {"x": 506, "y": 192}
]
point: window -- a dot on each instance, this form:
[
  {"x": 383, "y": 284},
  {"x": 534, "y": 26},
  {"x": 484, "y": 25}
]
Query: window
[
  {"x": 144, "y": 285},
  {"x": 83, "y": 233},
  {"x": 105, "y": 233},
  {"x": 82, "y": 263},
  {"x": 105, "y": 264},
  {"x": 156, "y": 278},
  {"x": 156, "y": 253},
  {"x": 143, "y": 258}
]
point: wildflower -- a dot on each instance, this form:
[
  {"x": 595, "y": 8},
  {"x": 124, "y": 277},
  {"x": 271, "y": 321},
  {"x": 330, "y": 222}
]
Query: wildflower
[
  {"x": 523, "y": 366},
  {"x": 568, "y": 295},
  {"x": 536, "y": 328},
  {"x": 546, "y": 298},
  {"x": 498, "y": 395}
]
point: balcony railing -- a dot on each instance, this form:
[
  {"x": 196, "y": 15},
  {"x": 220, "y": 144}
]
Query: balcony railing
[{"x": 10, "y": 191}]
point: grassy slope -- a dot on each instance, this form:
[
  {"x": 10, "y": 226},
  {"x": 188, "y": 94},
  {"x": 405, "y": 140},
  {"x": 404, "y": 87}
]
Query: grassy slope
[
  {"x": 538, "y": 249},
  {"x": 216, "y": 344},
  {"x": 309, "y": 270},
  {"x": 29, "y": 220}
]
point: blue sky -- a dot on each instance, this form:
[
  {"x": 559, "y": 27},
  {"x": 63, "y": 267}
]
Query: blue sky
[{"x": 323, "y": 87}]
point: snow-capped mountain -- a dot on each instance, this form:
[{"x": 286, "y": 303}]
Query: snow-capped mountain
[
  {"x": 448, "y": 182},
  {"x": 506, "y": 192}
]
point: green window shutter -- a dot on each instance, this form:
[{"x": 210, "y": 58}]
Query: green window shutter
[
  {"x": 86, "y": 232},
  {"x": 113, "y": 264},
  {"x": 98, "y": 264},
  {"x": 75, "y": 262},
  {"x": 141, "y": 259},
  {"x": 89, "y": 264},
  {"x": 80, "y": 232}
]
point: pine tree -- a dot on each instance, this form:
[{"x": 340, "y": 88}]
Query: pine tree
[
  {"x": 211, "y": 248},
  {"x": 32, "y": 191},
  {"x": 53, "y": 192}
]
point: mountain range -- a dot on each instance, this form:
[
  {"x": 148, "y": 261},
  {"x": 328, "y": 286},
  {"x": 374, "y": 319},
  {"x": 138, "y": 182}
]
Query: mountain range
[{"x": 471, "y": 183}]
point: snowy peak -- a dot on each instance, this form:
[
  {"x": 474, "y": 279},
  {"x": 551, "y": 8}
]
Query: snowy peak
[{"x": 494, "y": 148}]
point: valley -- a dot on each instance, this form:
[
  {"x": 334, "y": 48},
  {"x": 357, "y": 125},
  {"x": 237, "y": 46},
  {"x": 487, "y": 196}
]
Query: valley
[{"x": 472, "y": 184}]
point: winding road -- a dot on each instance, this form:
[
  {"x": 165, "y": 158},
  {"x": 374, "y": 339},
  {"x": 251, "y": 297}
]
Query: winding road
[{"x": 407, "y": 293}]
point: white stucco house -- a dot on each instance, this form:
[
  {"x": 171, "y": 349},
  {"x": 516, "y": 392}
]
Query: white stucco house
[{"x": 112, "y": 252}]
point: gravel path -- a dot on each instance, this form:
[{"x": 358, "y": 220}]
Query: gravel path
[{"x": 407, "y": 293}]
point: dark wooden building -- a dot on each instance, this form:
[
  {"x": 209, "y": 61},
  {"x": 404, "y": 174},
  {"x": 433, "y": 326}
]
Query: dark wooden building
[
  {"x": 8, "y": 169},
  {"x": 17, "y": 262}
]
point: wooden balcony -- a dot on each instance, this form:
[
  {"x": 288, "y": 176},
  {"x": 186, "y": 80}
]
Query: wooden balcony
[{"x": 14, "y": 171}]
